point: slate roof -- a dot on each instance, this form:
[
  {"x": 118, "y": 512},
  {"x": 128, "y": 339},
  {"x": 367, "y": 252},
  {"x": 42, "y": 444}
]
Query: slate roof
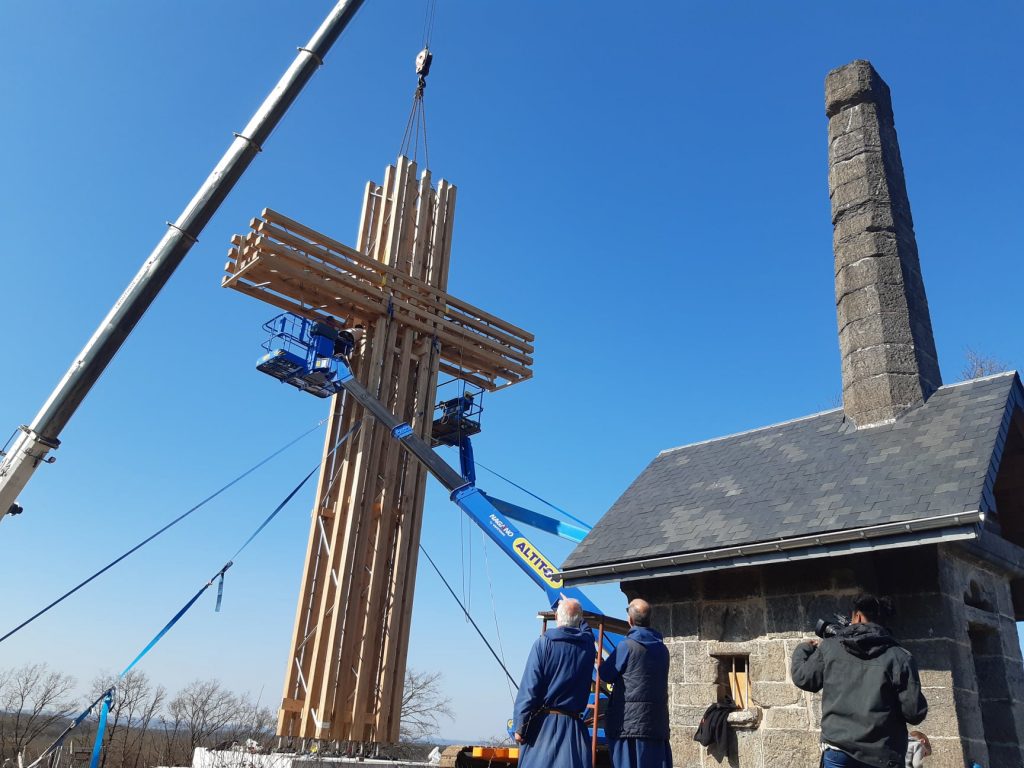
[{"x": 816, "y": 475}]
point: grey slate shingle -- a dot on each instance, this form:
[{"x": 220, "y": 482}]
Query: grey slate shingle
[{"x": 812, "y": 475}]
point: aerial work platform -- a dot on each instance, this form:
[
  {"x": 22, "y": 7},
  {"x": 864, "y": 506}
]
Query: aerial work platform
[{"x": 346, "y": 670}]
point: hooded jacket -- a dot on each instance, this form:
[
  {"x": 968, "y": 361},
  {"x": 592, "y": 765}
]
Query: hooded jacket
[
  {"x": 638, "y": 669},
  {"x": 870, "y": 692}
]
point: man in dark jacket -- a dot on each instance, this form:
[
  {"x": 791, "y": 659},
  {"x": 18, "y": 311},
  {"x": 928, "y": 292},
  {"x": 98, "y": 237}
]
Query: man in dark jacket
[
  {"x": 636, "y": 722},
  {"x": 553, "y": 694},
  {"x": 870, "y": 689}
]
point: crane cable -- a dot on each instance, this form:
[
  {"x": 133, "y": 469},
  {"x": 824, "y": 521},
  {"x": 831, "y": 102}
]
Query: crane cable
[
  {"x": 494, "y": 607},
  {"x": 470, "y": 619},
  {"x": 416, "y": 125},
  {"x": 160, "y": 531}
]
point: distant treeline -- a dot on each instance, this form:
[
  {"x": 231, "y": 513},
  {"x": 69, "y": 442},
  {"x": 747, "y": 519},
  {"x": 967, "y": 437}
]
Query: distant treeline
[{"x": 146, "y": 727}]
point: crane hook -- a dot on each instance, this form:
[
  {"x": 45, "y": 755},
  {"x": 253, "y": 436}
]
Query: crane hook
[{"x": 423, "y": 61}]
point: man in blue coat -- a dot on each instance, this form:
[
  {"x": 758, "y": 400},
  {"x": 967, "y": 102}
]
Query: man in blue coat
[
  {"x": 636, "y": 722},
  {"x": 553, "y": 694}
]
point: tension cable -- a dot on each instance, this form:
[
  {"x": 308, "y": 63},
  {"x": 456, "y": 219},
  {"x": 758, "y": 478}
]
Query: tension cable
[
  {"x": 154, "y": 535},
  {"x": 470, "y": 619}
]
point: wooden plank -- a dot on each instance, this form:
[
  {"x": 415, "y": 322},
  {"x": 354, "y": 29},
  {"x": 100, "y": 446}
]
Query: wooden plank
[
  {"x": 458, "y": 336},
  {"x": 368, "y": 672},
  {"x": 291, "y": 705},
  {"x": 302, "y": 271},
  {"x": 322, "y": 679},
  {"x": 349, "y": 288},
  {"x": 352, "y": 573},
  {"x": 421, "y": 242},
  {"x": 315, "y": 572},
  {"x": 483, "y": 376},
  {"x": 410, "y": 291},
  {"x": 323, "y": 240},
  {"x": 370, "y": 200}
]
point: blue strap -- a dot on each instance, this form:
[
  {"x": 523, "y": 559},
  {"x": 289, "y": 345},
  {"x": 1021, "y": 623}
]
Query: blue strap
[
  {"x": 101, "y": 729},
  {"x": 167, "y": 626},
  {"x": 291, "y": 495},
  {"x": 220, "y": 592},
  {"x": 63, "y": 735}
]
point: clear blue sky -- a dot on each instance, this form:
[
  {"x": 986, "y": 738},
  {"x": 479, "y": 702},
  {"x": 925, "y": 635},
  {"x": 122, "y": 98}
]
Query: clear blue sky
[{"x": 642, "y": 185}]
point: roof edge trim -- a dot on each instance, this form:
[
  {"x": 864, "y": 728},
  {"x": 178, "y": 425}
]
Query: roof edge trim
[{"x": 602, "y": 572}]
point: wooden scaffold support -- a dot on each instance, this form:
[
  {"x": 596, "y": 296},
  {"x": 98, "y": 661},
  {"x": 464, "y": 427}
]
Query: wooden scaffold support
[{"x": 346, "y": 668}]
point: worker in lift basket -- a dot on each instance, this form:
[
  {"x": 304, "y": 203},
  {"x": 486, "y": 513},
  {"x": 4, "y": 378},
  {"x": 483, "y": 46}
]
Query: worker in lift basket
[{"x": 553, "y": 694}]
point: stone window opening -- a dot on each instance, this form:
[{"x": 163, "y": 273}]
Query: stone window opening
[
  {"x": 733, "y": 679},
  {"x": 995, "y": 698}
]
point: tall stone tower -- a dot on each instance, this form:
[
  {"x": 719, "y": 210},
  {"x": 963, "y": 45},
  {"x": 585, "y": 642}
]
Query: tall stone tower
[{"x": 885, "y": 332}]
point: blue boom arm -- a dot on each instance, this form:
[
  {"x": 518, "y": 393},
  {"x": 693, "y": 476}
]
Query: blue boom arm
[{"x": 470, "y": 499}]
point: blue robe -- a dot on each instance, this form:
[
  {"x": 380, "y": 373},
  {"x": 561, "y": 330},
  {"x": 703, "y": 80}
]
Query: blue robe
[
  {"x": 558, "y": 675},
  {"x": 634, "y": 751}
]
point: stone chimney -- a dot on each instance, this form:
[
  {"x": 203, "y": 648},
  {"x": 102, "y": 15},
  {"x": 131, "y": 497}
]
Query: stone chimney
[{"x": 885, "y": 332}]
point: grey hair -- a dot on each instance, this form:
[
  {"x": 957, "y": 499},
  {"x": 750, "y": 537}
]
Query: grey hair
[{"x": 569, "y": 613}]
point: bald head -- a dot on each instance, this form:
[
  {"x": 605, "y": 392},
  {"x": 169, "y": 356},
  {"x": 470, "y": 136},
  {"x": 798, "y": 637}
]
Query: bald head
[
  {"x": 639, "y": 612},
  {"x": 569, "y": 612}
]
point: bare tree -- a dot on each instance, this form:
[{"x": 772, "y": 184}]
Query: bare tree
[
  {"x": 137, "y": 702},
  {"x": 252, "y": 722},
  {"x": 423, "y": 705},
  {"x": 977, "y": 365},
  {"x": 34, "y": 701},
  {"x": 201, "y": 712}
]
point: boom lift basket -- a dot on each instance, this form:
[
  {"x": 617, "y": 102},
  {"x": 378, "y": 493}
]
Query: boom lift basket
[{"x": 303, "y": 353}]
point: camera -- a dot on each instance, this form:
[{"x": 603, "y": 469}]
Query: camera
[{"x": 829, "y": 627}]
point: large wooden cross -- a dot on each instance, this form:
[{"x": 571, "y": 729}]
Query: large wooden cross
[{"x": 347, "y": 664}]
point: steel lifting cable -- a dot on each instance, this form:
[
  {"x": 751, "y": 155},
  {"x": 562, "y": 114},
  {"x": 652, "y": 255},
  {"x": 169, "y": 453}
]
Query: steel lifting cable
[
  {"x": 429, "y": 15},
  {"x": 105, "y": 699},
  {"x": 9, "y": 439},
  {"x": 494, "y": 607},
  {"x": 558, "y": 509},
  {"x": 469, "y": 618},
  {"x": 416, "y": 125},
  {"x": 160, "y": 531}
]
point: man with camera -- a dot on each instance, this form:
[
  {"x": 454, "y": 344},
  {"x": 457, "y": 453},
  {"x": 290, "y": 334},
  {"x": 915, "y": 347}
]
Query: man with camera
[{"x": 870, "y": 688}]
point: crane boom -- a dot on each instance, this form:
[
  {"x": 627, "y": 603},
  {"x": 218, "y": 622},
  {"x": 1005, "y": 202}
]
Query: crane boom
[{"x": 36, "y": 440}]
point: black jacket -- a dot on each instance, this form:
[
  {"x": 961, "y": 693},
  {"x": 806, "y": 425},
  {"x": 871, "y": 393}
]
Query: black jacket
[
  {"x": 638, "y": 669},
  {"x": 870, "y": 692}
]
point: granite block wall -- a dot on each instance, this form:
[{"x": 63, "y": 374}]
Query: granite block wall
[{"x": 953, "y": 613}]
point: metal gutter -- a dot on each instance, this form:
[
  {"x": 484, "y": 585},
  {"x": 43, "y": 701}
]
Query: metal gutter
[{"x": 900, "y": 534}]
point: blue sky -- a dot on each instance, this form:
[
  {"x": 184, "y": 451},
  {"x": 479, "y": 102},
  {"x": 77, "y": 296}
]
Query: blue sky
[{"x": 644, "y": 186}]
